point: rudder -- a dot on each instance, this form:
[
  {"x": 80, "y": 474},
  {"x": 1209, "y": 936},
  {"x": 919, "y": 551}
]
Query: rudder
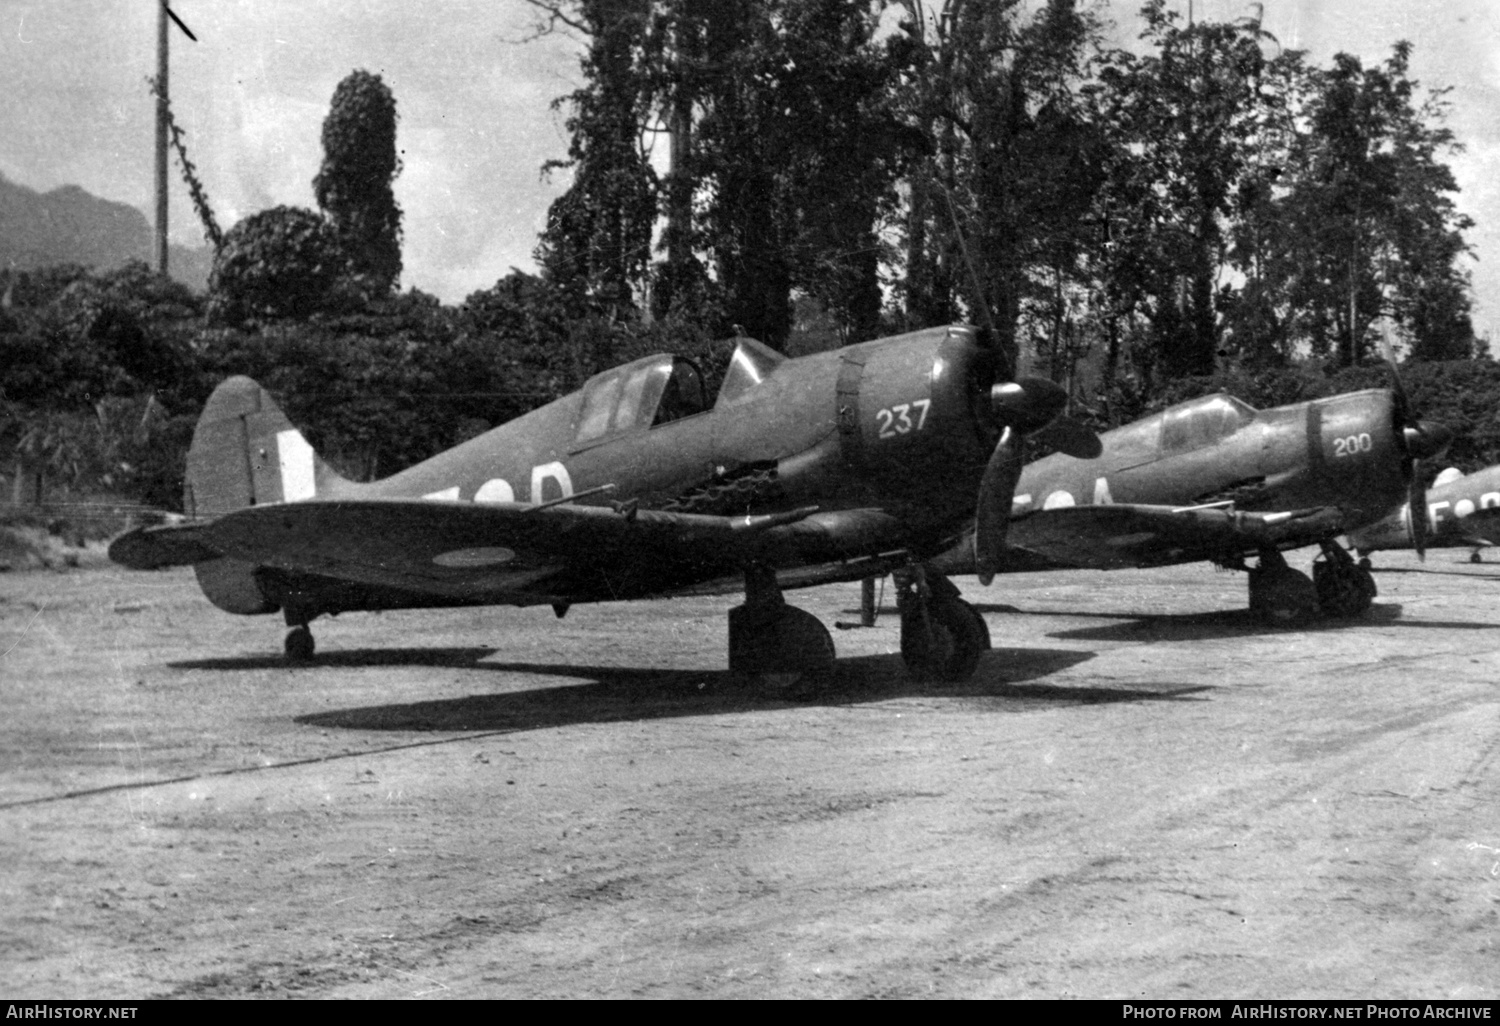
[{"x": 245, "y": 452}]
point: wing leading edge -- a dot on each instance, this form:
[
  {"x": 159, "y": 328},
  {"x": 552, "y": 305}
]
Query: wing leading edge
[
  {"x": 462, "y": 550},
  {"x": 1112, "y": 537}
]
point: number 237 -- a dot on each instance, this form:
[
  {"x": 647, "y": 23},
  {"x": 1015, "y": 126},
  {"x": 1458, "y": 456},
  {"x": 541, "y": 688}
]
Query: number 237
[{"x": 897, "y": 420}]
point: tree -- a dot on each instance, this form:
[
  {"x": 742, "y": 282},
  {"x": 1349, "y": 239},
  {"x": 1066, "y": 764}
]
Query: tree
[
  {"x": 1365, "y": 226},
  {"x": 353, "y": 187},
  {"x": 598, "y": 237},
  {"x": 838, "y": 144},
  {"x": 83, "y": 360},
  {"x": 782, "y": 143},
  {"x": 997, "y": 88},
  {"x": 1192, "y": 112},
  {"x": 282, "y": 262}
]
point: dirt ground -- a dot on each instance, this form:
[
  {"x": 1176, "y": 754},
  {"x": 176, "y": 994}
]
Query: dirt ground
[{"x": 1142, "y": 793}]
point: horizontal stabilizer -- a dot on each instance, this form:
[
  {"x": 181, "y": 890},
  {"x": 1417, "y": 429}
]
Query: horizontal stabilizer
[{"x": 155, "y": 548}]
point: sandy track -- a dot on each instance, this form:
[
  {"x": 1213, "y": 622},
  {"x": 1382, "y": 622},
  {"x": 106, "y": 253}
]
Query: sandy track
[{"x": 1142, "y": 793}]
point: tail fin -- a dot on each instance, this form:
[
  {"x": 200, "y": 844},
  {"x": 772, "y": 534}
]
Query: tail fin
[{"x": 246, "y": 453}]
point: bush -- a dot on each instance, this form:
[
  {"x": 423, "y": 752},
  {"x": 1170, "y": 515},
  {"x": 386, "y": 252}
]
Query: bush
[{"x": 280, "y": 263}]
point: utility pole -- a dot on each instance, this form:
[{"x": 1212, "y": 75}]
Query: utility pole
[
  {"x": 161, "y": 137},
  {"x": 163, "y": 112}
]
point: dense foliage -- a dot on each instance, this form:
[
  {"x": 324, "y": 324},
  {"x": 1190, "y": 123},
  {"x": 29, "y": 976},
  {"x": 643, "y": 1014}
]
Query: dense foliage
[
  {"x": 282, "y": 262},
  {"x": 104, "y": 376},
  {"x": 1139, "y": 214},
  {"x": 1206, "y": 209}
]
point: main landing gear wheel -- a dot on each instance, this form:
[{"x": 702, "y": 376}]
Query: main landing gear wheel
[
  {"x": 299, "y": 644},
  {"x": 777, "y": 646},
  {"x": 942, "y": 636},
  {"x": 1345, "y": 589},
  {"x": 1280, "y": 594}
]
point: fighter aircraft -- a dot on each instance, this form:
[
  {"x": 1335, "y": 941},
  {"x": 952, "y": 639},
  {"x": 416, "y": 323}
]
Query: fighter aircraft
[
  {"x": 836, "y": 466},
  {"x": 1462, "y": 510},
  {"x": 1214, "y": 479}
]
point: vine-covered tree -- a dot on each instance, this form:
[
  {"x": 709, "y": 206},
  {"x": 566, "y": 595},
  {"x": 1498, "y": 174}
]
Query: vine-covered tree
[
  {"x": 353, "y": 187},
  {"x": 781, "y": 136},
  {"x": 597, "y": 242}
]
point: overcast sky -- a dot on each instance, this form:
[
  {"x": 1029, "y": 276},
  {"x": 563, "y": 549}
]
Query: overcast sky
[{"x": 475, "y": 106}]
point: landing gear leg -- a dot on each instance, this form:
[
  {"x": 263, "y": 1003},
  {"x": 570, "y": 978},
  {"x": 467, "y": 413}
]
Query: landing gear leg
[
  {"x": 1280, "y": 594},
  {"x": 942, "y": 636},
  {"x": 299, "y": 640},
  {"x": 1344, "y": 588},
  {"x": 776, "y": 644}
]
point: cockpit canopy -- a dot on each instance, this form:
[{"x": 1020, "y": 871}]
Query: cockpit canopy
[
  {"x": 640, "y": 395},
  {"x": 657, "y": 390},
  {"x": 750, "y": 364},
  {"x": 1193, "y": 425}
]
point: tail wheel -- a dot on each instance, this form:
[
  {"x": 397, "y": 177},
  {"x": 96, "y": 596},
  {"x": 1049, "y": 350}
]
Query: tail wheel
[{"x": 299, "y": 645}]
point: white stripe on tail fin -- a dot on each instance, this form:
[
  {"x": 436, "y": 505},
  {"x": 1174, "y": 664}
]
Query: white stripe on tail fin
[{"x": 298, "y": 477}]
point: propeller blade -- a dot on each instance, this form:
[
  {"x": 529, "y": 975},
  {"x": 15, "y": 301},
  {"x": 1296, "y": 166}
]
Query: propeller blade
[
  {"x": 1020, "y": 407},
  {"x": 997, "y": 489},
  {"x": 1069, "y": 436},
  {"x": 1416, "y": 503},
  {"x": 1388, "y": 352}
]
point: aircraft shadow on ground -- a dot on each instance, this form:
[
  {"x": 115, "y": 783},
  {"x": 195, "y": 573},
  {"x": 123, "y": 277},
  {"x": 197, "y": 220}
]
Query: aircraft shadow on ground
[
  {"x": 1228, "y": 623},
  {"x": 1238, "y": 623},
  {"x": 607, "y": 694},
  {"x": 1474, "y": 575},
  {"x": 354, "y": 659}
]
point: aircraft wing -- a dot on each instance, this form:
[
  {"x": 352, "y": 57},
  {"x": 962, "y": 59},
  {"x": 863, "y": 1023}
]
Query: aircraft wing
[
  {"x": 1111, "y": 537},
  {"x": 460, "y": 550},
  {"x": 1482, "y": 526}
]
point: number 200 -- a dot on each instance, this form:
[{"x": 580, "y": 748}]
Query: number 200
[{"x": 1352, "y": 444}]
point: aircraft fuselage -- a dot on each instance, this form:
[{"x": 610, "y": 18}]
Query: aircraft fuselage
[
  {"x": 1342, "y": 451},
  {"x": 1451, "y": 516}
]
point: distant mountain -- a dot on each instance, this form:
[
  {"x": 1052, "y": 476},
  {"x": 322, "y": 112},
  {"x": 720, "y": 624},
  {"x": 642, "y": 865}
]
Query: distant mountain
[{"x": 69, "y": 226}]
